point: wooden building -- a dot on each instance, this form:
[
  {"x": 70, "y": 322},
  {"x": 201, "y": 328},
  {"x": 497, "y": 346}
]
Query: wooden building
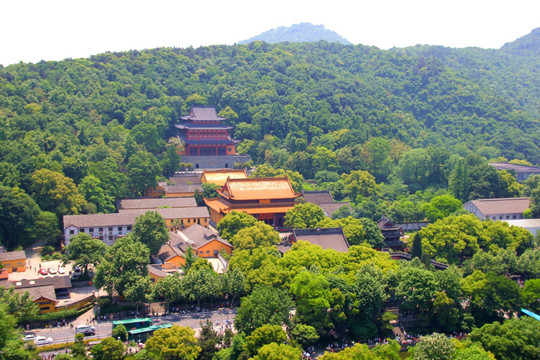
[
  {"x": 499, "y": 208},
  {"x": 204, "y": 133},
  {"x": 219, "y": 177},
  {"x": 109, "y": 227},
  {"x": 392, "y": 234},
  {"x": 173, "y": 191},
  {"x": 327, "y": 238},
  {"x": 13, "y": 260},
  {"x": 204, "y": 242},
  {"x": 133, "y": 204},
  {"x": 43, "y": 296},
  {"x": 267, "y": 199}
]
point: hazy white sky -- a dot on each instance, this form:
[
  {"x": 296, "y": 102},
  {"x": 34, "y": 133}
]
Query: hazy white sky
[{"x": 34, "y": 30}]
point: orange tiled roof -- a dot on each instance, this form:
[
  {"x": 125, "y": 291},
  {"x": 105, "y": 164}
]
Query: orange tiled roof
[
  {"x": 219, "y": 177},
  {"x": 220, "y": 207},
  {"x": 258, "y": 189}
]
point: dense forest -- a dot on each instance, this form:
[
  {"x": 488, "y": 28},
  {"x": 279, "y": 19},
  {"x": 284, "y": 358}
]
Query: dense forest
[
  {"x": 386, "y": 130},
  {"x": 405, "y": 133}
]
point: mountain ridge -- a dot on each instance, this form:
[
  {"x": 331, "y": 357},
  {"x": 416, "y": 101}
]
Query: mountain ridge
[{"x": 302, "y": 32}]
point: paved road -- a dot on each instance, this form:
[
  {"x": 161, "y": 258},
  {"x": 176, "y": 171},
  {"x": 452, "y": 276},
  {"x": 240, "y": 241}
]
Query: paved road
[{"x": 104, "y": 328}]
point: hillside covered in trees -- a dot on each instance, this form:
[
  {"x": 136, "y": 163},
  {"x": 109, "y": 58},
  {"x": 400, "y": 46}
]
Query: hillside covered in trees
[{"x": 79, "y": 133}]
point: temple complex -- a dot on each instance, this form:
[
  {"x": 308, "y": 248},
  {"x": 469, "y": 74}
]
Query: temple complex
[{"x": 267, "y": 199}]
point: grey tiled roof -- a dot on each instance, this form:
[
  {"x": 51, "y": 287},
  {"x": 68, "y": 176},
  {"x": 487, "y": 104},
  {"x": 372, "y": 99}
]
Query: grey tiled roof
[
  {"x": 127, "y": 204},
  {"x": 502, "y": 205},
  {"x": 203, "y": 113},
  {"x": 12, "y": 255},
  {"x": 327, "y": 238}
]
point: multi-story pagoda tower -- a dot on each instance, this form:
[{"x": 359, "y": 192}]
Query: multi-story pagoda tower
[{"x": 204, "y": 133}]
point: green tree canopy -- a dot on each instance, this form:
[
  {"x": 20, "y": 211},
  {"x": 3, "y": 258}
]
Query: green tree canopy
[
  {"x": 264, "y": 335},
  {"x": 512, "y": 339},
  {"x": 19, "y": 215},
  {"x": 85, "y": 251},
  {"x": 174, "y": 343},
  {"x": 142, "y": 171},
  {"x": 123, "y": 262},
  {"x": 109, "y": 349},
  {"x": 434, "y": 346},
  {"x": 441, "y": 206},
  {"x": 151, "y": 230},
  {"x": 234, "y": 222},
  {"x": 56, "y": 193},
  {"x": 259, "y": 234},
  {"x": 265, "y": 306},
  {"x": 304, "y": 216}
]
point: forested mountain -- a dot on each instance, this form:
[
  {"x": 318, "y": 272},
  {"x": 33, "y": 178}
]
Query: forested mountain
[
  {"x": 304, "y": 32},
  {"x": 100, "y": 126}
]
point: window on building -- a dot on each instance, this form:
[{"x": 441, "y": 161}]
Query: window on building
[
  {"x": 91, "y": 230},
  {"x": 129, "y": 228},
  {"x": 100, "y": 229},
  {"x": 101, "y": 238},
  {"x": 110, "y": 228},
  {"x": 207, "y": 251},
  {"x": 72, "y": 232},
  {"x": 81, "y": 230},
  {"x": 120, "y": 228}
]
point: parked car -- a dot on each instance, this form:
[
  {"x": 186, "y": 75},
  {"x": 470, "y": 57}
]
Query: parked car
[
  {"x": 86, "y": 330},
  {"x": 29, "y": 337},
  {"x": 61, "y": 270},
  {"x": 42, "y": 340},
  {"x": 43, "y": 271},
  {"x": 52, "y": 271}
]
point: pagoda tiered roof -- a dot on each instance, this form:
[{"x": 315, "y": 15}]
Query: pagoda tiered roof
[
  {"x": 202, "y": 141},
  {"x": 189, "y": 126},
  {"x": 203, "y": 113}
]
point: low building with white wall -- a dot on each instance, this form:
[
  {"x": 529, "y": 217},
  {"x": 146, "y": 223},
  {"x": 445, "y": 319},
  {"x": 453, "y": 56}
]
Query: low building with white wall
[{"x": 498, "y": 209}]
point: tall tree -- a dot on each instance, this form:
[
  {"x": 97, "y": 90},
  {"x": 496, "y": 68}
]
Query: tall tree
[
  {"x": 123, "y": 262},
  {"x": 434, "y": 346},
  {"x": 174, "y": 343},
  {"x": 151, "y": 230},
  {"x": 200, "y": 284},
  {"x": 516, "y": 338},
  {"x": 304, "y": 216},
  {"x": 208, "y": 340},
  {"x": 416, "y": 250},
  {"x": 234, "y": 222},
  {"x": 459, "y": 181},
  {"x": 264, "y": 335},
  {"x": 139, "y": 290},
  {"x": 90, "y": 187},
  {"x": 169, "y": 288},
  {"x": 56, "y": 193},
  {"x": 260, "y": 234},
  {"x": 142, "y": 170},
  {"x": 85, "y": 251},
  {"x": 265, "y": 306},
  {"x": 275, "y": 351},
  {"x": 109, "y": 349},
  {"x": 18, "y": 217}
]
